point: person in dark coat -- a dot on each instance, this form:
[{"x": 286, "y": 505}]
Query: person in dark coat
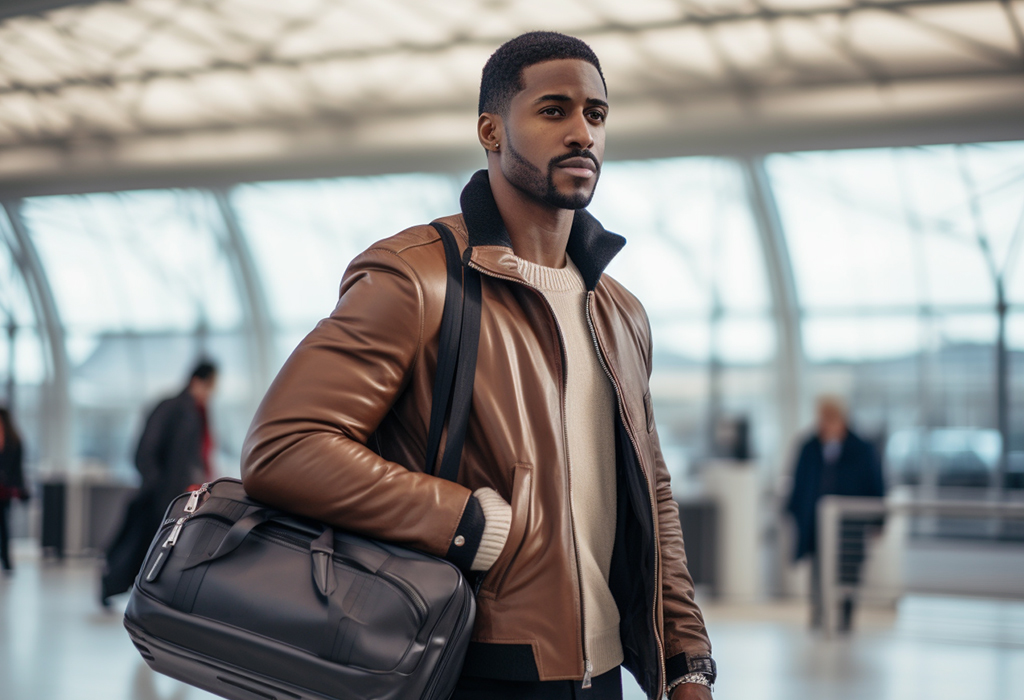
[
  {"x": 12, "y": 482},
  {"x": 835, "y": 461},
  {"x": 173, "y": 456}
]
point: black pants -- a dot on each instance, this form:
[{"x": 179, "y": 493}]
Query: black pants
[
  {"x": 5, "y": 536},
  {"x": 847, "y": 603},
  {"x": 127, "y": 552},
  {"x": 607, "y": 686}
]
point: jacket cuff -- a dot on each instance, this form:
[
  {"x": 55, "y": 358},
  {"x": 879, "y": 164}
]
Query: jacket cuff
[
  {"x": 682, "y": 664},
  {"x": 467, "y": 537},
  {"x": 497, "y": 521}
]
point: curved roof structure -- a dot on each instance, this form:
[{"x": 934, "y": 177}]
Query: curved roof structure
[{"x": 165, "y": 91}]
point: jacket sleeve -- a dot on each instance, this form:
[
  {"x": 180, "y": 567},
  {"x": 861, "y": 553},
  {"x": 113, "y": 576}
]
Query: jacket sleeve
[
  {"x": 18, "y": 469},
  {"x": 306, "y": 448},
  {"x": 796, "y": 495},
  {"x": 877, "y": 480},
  {"x": 150, "y": 454},
  {"x": 684, "y": 630},
  {"x": 685, "y": 634}
]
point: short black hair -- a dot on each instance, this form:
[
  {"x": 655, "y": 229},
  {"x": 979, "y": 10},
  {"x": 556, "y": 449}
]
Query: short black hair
[
  {"x": 205, "y": 370},
  {"x": 503, "y": 73}
]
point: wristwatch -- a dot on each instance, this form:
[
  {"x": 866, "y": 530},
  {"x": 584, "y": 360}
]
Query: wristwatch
[{"x": 699, "y": 669}]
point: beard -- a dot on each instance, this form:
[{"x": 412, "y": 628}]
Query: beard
[{"x": 529, "y": 179}]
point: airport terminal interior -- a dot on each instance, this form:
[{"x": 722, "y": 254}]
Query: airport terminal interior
[{"x": 824, "y": 206}]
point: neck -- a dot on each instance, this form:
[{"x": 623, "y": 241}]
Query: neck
[{"x": 539, "y": 232}]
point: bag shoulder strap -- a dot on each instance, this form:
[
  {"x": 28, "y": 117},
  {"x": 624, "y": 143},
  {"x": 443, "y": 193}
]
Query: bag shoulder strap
[{"x": 456, "y": 359}]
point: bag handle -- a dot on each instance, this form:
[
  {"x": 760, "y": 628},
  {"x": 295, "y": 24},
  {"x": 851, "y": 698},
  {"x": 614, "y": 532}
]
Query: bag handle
[
  {"x": 366, "y": 559},
  {"x": 458, "y": 340}
]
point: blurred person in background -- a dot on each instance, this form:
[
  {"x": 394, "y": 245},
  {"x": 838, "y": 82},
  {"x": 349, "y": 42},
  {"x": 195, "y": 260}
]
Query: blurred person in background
[
  {"x": 174, "y": 455},
  {"x": 834, "y": 461},
  {"x": 12, "y": 482}
]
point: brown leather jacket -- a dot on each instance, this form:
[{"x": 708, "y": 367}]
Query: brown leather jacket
[{"x": 341, "y": 437}]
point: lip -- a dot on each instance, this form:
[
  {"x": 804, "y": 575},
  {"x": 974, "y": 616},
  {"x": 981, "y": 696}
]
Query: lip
[{"x": 578, "y": 167}]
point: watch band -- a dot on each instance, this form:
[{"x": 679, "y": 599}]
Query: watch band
[{"x": 698, "y": 678}]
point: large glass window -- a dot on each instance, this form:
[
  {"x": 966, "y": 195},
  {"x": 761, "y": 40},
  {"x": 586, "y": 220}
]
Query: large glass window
[
  {"x": 900, "y": 258},
  {"x": 25, "y": 367},
  {"x": 304, "y": 234},
  {"x": 144, "y": 288},
  {"x": 693, "y": 258}
]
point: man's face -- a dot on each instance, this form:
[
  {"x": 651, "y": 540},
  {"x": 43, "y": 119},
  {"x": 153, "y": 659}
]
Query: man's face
[
  {"x": 554, "y": 133},
  {"x": 202, "y": 389},
  {"x": 831, "y": 422}
]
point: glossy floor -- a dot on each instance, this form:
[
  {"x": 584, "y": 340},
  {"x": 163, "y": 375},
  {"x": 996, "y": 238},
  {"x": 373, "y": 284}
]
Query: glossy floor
[{"x": 56, "y": 644}]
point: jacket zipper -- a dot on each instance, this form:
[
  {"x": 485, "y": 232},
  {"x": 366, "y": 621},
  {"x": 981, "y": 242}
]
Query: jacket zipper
[
  {"x": 588, "y": 667},
  {"x": 650, "y": 497}
]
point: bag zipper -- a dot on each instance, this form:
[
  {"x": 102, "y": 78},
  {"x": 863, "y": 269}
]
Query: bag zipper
[
  {"x": 164, "y": 552},
  {"x": 193, "y": 499}
]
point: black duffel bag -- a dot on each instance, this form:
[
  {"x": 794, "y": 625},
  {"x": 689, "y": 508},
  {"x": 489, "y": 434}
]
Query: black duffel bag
[{"x": 253, "y": 603}]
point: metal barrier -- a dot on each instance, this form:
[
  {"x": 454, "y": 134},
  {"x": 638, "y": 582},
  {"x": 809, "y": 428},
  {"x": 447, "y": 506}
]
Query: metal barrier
[{"x": 835, "y": 534}]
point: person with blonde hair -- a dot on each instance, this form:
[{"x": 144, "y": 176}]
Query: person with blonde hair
[{"x": 833, "y": 461}]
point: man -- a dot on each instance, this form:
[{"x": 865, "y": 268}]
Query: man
[
  {"x": 563, "y": 505},
  {"x": 174, "y": 455},
  {"x": 834, "y": 461}
]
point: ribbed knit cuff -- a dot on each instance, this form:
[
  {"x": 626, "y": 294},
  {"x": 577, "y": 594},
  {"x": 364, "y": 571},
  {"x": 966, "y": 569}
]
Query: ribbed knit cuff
[{"x": 497, "y": 521}]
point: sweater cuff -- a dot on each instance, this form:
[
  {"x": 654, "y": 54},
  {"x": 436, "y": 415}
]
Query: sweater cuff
[
  {"x": 497, "y": 521},
  {"x": 466, "y": 540}
]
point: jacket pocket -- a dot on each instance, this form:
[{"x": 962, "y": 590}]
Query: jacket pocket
[
  {"x": 649, "y": 410},
  {"x": 522, "y": 491}
]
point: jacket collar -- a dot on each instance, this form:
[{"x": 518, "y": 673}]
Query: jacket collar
[{"x": 590, "y": 246}]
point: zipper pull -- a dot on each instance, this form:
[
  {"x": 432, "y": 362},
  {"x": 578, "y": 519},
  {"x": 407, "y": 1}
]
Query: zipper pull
[
  {"x": 164, "y": 553},
  {"x": 172, "y": 539},
  {"x": 193, "y": 499},
  {"x": 588, "y": 669}
]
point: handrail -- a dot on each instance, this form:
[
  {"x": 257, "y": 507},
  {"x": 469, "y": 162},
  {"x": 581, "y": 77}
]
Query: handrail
[{"x": 832, "y": 510}]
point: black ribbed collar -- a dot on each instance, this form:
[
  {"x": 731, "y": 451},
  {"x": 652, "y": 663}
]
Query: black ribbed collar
[{"x": 590, "y": 246}]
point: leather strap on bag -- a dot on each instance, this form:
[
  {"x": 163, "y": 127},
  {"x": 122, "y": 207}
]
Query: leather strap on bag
[
  {"x": 458, "y": 340},
  {"x": 452, "y": 399},
  {"x": 456, "y": 367}
]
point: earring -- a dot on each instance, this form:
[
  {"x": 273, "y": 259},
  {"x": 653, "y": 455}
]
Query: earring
[{"x": 497, "y": 147}]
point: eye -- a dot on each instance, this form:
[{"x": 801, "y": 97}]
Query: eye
[
  {"x": 552, "y": 111},
  {"x": 597, "y": 115}
]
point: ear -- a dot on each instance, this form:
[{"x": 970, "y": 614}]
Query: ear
[{"x": 491, "y": 131}]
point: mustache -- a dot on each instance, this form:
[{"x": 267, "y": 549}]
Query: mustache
[{"x": 575, "y": 153}]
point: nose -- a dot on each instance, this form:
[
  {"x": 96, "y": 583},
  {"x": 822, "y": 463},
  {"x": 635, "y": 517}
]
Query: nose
[{"x": 579, "y": 134}]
